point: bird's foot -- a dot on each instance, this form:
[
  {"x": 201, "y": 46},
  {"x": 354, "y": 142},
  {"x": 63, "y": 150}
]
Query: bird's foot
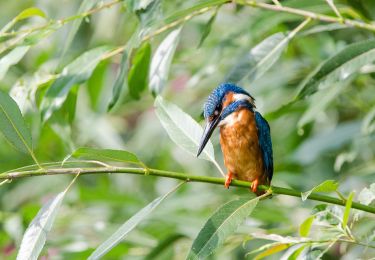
[
  {"x": 254, "y": 186},
  {"x": 228, "y": 179}
]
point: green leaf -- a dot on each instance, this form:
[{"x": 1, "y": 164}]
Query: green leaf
[
  {"x": 29, "y": 12},
  {"x": 297, "y": 252},
  {"x": 305, "y": 227},
  {"x": 13, "y": 125},
  {"x": 259, "y": 59},
  {"x": 221, "y": 225},
  {"x": 320, "y": 102},
  {"x": 182, "y": 129},
  {"x": 348, "y": 206},
  {"x": 208, "y": 26},
  {"x": 120, "y": 82},
  {"x": 76, "y": 72},
  {"x": 105, "y": 154},
  {"x": 326, "y": 186},
  {"x": 161, "y": 62},
  {"x": 84, "y": 7},
  {"x": 36, "y": 234},
  {"x": 339, "y": 67},
  {"x": 128, "y": 226},
  {"x": 272, "y": 250},
  {"x": 12, "y": 58},
  {"x": 137, "y": 78}
]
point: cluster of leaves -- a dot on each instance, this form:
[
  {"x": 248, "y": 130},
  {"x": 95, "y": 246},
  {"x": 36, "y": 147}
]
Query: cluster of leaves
[{"x": 322, "y": 127}]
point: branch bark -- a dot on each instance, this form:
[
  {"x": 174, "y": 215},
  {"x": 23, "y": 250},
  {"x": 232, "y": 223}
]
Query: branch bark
[{"x": 176, "y": 175}]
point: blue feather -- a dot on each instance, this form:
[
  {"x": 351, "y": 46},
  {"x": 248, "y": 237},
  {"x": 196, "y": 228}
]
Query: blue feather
[{"x": 265, "y": 144}]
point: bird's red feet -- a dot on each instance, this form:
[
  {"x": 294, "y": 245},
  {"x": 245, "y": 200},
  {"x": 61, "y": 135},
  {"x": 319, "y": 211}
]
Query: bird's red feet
[
  {"x": 254, "y": 186},
  {"x": 228, "y": 179}
]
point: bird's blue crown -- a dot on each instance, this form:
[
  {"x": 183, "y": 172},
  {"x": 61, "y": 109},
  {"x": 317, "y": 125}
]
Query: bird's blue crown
[{"x": 215, "y": 99}]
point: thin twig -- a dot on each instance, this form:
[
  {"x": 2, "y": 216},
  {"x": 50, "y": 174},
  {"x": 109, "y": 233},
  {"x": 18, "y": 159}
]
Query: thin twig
[
  {"x": 179, "y": 176},
  {"x": 334, "y": 8}
]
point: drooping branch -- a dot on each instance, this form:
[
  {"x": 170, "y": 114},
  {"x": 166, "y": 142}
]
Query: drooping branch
[{"x": 176, "y": 175}]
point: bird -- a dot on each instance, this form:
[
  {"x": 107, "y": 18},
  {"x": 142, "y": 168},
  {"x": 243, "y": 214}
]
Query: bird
[{"x": 245, "y": 136}]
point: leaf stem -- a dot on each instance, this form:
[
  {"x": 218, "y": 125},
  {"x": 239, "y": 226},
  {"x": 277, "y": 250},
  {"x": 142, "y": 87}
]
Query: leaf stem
[{"x": 180, "y": 176}]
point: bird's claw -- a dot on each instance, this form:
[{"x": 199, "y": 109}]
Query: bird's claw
[
  {"x": 228, "y": 180},
  {"x": 254, "y": 186}
]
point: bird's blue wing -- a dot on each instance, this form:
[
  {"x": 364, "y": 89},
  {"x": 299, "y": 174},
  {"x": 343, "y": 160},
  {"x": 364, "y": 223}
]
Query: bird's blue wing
[{"x": 265, "y": 144}]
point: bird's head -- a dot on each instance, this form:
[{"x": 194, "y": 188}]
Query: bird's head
[{"x": 224, "y": 100}]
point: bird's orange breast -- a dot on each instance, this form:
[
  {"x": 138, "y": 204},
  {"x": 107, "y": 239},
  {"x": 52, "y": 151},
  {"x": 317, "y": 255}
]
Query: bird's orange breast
[{"x": 240, "y": 147}]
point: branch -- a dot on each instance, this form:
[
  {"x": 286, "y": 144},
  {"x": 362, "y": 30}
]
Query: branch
[
  {"x": 308, "y": 14},
  {"x": 180, "y": 176}
]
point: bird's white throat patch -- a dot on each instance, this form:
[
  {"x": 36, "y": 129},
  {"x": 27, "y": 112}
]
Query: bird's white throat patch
[{"x": 230, "y": 120}]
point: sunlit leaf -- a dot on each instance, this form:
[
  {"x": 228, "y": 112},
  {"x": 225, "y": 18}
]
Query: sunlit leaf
[
  {"x": 128, "y": 226},
  {"x": 182, "y": 129},
  {"x": 221, "y": 225},
  {"x": 105, "y": 154},
  {"x": 305, "y": 227},
  {"x": 273, "y": 250},
  {"x": 339, "y": 67},
  {"x": 138, "y": 73},
  {"x": 348, "y": 206},
  {"x": 36, "y": 234},
  {"x": 76, "y": 72},
  {"x": 120, "y": 82},
  {"x": 326, "y": 186},
  {"x": 13, "y": 125},
  {"x": 12, "y": 58},
  {"x": 85, "y": 6},
  {"x": 29, "y": 12},
  {"x": 259, "y": 59},
  {"x": 295, "y": 254},
  {"x": 207, "y": 27},
  {"x": 161, "y": 62}
]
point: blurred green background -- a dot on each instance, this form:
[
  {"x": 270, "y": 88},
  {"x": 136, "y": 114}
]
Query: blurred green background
[{"x": 329, "y": 135}]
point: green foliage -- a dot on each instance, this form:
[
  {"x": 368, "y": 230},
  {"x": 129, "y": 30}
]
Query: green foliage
[
  {"x": 312, "y": 75},
  {"x": 220, "y": 225}
]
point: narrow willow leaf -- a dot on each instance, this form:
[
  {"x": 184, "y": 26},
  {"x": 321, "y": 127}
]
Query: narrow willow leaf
[
  {"x": 295, "y": 254},
  {"x": 12, "y": 58},
  {"x": 105, "y": 154},
  {"x": 29, "y": 12},
  {"x": 76, "y": 72},
  {"x": 128, "y": 226},
  {"x": 36, "y": 234},
  {"x": 120, "y": 82},
  {"x": 339, "y": 67},
  {"x": 305, "y": 227},
  {"x": 272, "y": 250},
  {"x": 182, "y": 129},
  {"x": 85, "y": 6},
  {"x": 161, "y": 62},
  {"x": 138, "y": 73},
  {"x": 208, "y": 26},
  {"x": 319, "y": 103},
  {"x": 326, "y": 186},
  {"x": 348, "y": 206},
  {"x": 259, "y": 59},
  {"x": 221, "y": 225},
  {"x": 13, "y": 125}
]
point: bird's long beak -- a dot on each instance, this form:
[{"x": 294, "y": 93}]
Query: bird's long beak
[{"x": 208, "y": 130}]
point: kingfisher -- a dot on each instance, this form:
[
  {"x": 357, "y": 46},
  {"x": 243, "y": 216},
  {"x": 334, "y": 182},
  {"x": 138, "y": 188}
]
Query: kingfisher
[{"x": 245, "y": 137}]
